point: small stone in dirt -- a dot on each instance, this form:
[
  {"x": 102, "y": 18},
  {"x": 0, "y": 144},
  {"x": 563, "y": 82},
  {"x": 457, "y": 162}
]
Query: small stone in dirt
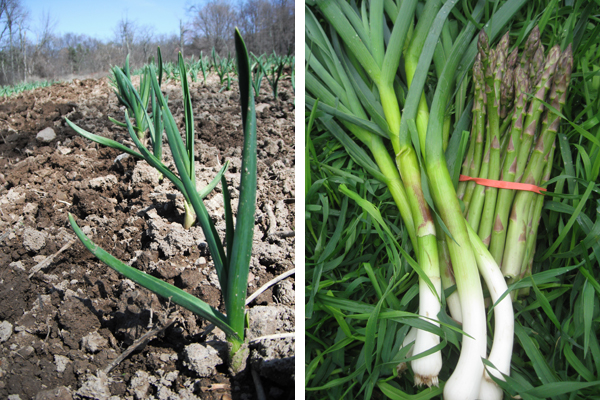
[
  {"x": 172, "y": 238},
  {"x": 46, "y": 135},
  {"x": 93, "y": 342},
  {"x": 33, "y": 240},
  {"x": 284, "y": 292},
  {"x": 269, "y": 320},
  {"x": 26, "y": 351},
  {"x": 61, "y": 362},
  {"x": 30, "y": 209},
  {"x": 64, "y": 150},
  {"x": 103, "y": 182},
  {"x": 261, "y": 107},
  {"x": 200, "y": 261},
  {"x": 140, "y": 384},
  {"x": 59, "y": 393},
  {"x": 14, "y": 397},
  {"x": 6, "y": 330},
  {"x": 145, "y": 173},
  {"x": 202, "y": 359},
  {"x": 190, "y": 278},
  {"x": 121, "y": 157},
  {"x": 95, "y": 387},
  {"x": 17, "y": 265},
  {"x": 273, "y": 147}
]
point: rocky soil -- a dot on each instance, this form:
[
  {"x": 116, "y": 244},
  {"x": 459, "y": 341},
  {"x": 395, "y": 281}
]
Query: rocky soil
[{"x": 65, "y": 317}]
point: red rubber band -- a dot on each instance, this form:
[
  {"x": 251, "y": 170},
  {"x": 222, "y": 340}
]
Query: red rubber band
[{"x": 503, "y": 184}]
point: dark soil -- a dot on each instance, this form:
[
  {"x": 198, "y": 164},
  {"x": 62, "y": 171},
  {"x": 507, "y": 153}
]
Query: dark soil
[{"x": 64, "y": 321}]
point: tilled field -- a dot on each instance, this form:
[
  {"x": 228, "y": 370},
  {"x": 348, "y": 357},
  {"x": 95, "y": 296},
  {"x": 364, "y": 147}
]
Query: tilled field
[{"x": 65, "y": 317}]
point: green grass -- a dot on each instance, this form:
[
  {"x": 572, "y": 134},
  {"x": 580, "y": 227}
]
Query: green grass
[
  {"x": 362, "y": 294},
  {"x": 266, "y": 65},
  {"x": 11, "y": 90}
]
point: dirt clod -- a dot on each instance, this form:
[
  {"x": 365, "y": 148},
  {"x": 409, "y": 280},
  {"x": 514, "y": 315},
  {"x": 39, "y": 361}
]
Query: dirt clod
[{"x": 202, "y": 359}]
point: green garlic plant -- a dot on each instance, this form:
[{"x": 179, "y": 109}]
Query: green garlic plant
[
  {"x": 128, "y": 99},
  {"x": 272, "y": 70},
  {"x": 232, "y": 258}
]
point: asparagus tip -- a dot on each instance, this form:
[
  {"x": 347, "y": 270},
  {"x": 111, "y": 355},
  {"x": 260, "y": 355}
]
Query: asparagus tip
[
  {"x": 512, "y": 58},
  {"x": 504, "y": 41},
  {"x": 534, "y": 37},
  {"x": 483, "y": 46}
]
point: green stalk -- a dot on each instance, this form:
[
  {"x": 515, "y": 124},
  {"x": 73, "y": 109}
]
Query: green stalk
[
  {"x": 516, "y": 239},
  {"x": 534, "y": 222},
  {"x": 536, "y": 64},
  {"x": 461, "y": 384},
  {"x": 535, "y": 109},
  {"x": 530, "y": 125},
  {"x": 466, "y": 166},
  {"x": 411, "y": 60},
  {"x": 426, "y": 368},
  {"x": 394, "y": 183},
  {"x": 467, "y": 281},
  {"x": 475, "y": 205},
  {"x": 479, "y": 122},
  {"x": 241, "y": 249},
  {"x": 493, "y": 110},
  {"x": 530, "y": 48},
  {"x": 507, "y": 89},
  {"x": 509, "y": 168}
]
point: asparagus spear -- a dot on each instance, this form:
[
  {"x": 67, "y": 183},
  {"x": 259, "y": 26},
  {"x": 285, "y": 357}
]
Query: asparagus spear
[
  {"x": 516, "y": 236},
  {"x": 493, "y": 106},
  {"x": 509, "y": 168}
]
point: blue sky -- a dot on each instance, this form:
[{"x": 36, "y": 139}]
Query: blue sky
[{"x": 99, "y": 18}]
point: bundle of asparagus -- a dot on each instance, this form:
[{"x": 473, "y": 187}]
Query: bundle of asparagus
[{"x": 512, "y": 140}]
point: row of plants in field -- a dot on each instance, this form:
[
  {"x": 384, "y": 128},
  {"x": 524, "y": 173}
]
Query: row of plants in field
[
  {"x": 452, "y": 205},
  {"x": 271, "y": 67},
  {"x": 11, "y": 90}
]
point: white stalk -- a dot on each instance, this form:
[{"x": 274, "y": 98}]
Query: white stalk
[
  {"x": 190, "y": 215},
  {"x": 462, "y": 384},
  {"x": 504, "y": 319},
  {"x": 453, "y": 301},
  {"x": 427, "y": 368},
  {"x": 409, "y": 340}
]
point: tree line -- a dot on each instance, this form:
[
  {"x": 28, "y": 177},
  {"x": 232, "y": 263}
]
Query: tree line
[{"x": 29, "y": 52}]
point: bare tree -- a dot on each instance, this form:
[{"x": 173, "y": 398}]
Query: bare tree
[
  {"x": 125, "y": 33},
  {"x": 183, "y": 31},
  {"x": 15, "y": 16},
  {"x": 284, "y": 26},
  {"x": 213, "y": 24},
  {"x": 41, "y": 49},
  {"x": 144, "y": 42},
  {"x": 268, "y": 25}
]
